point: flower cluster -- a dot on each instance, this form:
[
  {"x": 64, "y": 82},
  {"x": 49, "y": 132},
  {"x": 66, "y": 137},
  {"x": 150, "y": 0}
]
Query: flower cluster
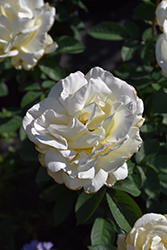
[
  {"x": 161, "y": 45},
  {"x": 86, "y": 129},
  {"x": 23, "y": 26},
  {"x": 149, "y": 232},
  {"x": 35, "y": 245}
]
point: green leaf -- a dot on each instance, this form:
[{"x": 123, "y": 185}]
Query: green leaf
[
  {"x": 29, "y": 99},
  {"x": 128, "y": 186},
  {"x": 29, "y": 87},
  {"x": 102, "y": 232},
  {"x": 48, "y": 84},
  {"x": 124, "y": 210},
  {"x": 140, "y": 79},
  {"x": 52, "y": 70},
  {"x": 101, "y": 247},
  {"x": 148, "y": 150},
  {"x": 10, "y": 124},
  {"x": 3, "y": 89},
  {"x": 151, "y": 184},
  {"x": 145, "y": 11},
  {"x": 108, "y": 31},
  {"x": 148, "y": 50},
  {"x": 69, "y": 45},
  {"x": 87, "y": 204},
  {"x": 160, "y": 163},
  {"x": 124, "y": 71},
  {"x": 160, "y": 102},
  {"x": 163, "y": 182},
  {"x": 42, "y": 175},
  {"x": 128, "y": 49},
  {"x": 154, "y": 206},
  {"x": 82, "y": 6},
  {"x": 28, "y": 151},
  {"x": 22, "y": 134},
  {"x": 63, "y": 207},
  {"x": 147, "y": 34},
  {"x": 132, "y": 29}
]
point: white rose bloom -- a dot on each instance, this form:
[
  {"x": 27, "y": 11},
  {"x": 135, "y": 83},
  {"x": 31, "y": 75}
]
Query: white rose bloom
[
  {"x": 23, "y": 27},
  {"x": 86, "y": 129},
  {"x": 149, "y": 233},
  {"x": 161, "y": 45}
]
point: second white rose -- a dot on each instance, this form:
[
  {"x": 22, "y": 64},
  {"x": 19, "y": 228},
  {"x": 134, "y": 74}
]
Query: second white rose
[
  {"x": 23, "y": 26},
  {"x": 86, "y": 129},
  {"x": 148, "y": 233}
]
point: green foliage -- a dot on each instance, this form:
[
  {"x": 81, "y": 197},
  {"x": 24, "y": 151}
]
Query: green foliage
[
  {"x": 108, "y": 31},
  {"x": 87, "y": 204},
  {"x": 123, "y": 208},
  {"x": 3, "y": 89},
  {"x": 102, "y": 232},
  {"x": 69, "y": 45},
  {"x": 145, "y": 11}
]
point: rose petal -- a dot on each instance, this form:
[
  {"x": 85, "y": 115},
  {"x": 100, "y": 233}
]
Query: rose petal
[
  {"x": 161, "y": 12},
  {"x": 46, "y": 21},
  {"x": 121, "y": 242},
  {"x": 120, "y": 174},
  {"x": 55, "y": 161},
  {"x": 97, "y": 182}
]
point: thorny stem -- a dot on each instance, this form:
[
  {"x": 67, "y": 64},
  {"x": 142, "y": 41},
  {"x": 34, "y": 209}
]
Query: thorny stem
[{"x": 154, "y": 21}]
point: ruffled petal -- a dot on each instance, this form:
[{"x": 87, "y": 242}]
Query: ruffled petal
[{"x": 97, "y": 182}]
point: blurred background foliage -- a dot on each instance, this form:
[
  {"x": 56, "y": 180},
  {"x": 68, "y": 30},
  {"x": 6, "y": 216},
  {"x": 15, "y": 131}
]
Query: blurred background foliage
[{"x": 32, "y": 206}]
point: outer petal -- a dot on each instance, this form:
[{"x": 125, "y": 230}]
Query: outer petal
[
  {"x": 161, "y": 12},
  {"x": 97, "y": 182},
  {"x": 55, "y": 161},
  {"x": 57, "y": 176},
  {"x": 65, "y": 88},
  {"x": 10, "y": 53},
  {"x": 72, "y": 183},
  {"x": 161, "y": 48},
  {"x": 148, "y": 218},
  {"x": 121, "y": 242},
  {"x": 46, "y": 21},
  {"x": 35, "y": 4},
  {"x": 120, "y": 174}
]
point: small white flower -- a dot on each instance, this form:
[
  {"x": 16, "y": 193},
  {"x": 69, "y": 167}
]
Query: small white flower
[
  {"x": 23, "y": 27},
  {"x": 149, "y": 232},
  {"x": 86, "y": 129}
]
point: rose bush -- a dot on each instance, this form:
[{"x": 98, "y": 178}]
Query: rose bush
[
  {"x": 149, "y": 232},
  {"x": 23, "y": 26},
  {"x": 86, "y": 129},
  {"x": 161, "y": 45}
]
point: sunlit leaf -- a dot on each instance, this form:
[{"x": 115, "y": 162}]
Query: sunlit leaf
[
  {"x": 108, "y": 31},
  {"x": 123, "y": 208},
  {"x": 102, "y": 232},
  {"x": 10, "y": 124},
  {"x": 128, "y": 49},
  {"x": 128, "y": 186}
]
